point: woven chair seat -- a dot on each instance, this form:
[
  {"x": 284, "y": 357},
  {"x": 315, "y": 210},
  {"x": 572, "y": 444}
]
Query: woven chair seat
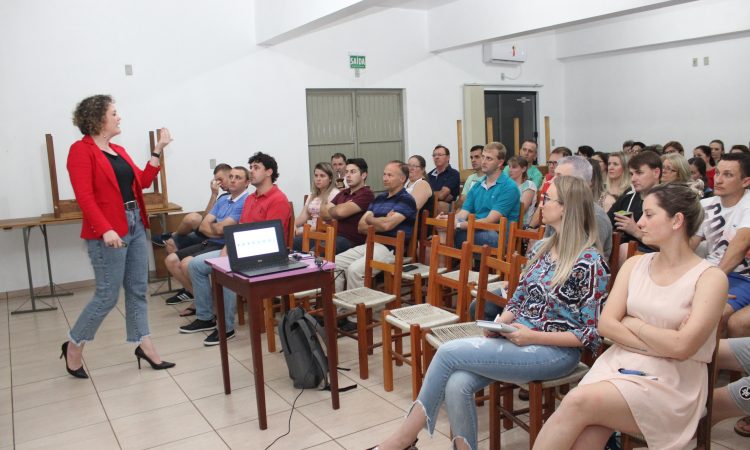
[
  {"x": 308, "y": 293},
  {"x": 369, "y": 297},
  {"x": 422, "y": 270},
  {"x": 491, "y": 287},
  {"x": 424, "y": 315},
  {"x": 578, "y": 373},
  {"x": 473, "y": 276},
  {"x": 440, "y": 335}
]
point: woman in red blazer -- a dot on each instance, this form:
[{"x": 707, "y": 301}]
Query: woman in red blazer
[{"x": 108, "y": 187}]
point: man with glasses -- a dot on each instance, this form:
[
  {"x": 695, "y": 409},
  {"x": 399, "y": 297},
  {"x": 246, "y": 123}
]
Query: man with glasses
[{"x": 444, "y": 179}]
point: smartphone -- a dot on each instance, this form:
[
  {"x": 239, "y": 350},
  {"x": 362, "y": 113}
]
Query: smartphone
[
  {"x": 497, "y": 327},
  {"x": 409, "y": 267}
]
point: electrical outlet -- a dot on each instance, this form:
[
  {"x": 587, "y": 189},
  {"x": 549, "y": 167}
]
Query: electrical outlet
[
  {"x": 212, "y": 163},
  {"x": 695, "y": 62},
  {"x": 128, "y": 70},
  {"x": 705, "y": 60}
]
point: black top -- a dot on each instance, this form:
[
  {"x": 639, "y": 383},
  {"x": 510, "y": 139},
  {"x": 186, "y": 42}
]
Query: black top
[
  {"x": 125, "y": 176},
  {"x": 628, "y": 201}
]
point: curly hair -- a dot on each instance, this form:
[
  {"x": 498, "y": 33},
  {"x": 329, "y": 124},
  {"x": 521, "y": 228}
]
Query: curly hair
[
  {"x": 89, "y": 113},
  {"x": 268, "y": 162}
]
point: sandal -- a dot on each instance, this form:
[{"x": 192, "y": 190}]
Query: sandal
[
  {"x": 742, "y": 427},
  {"x": 189, "y": 311}
]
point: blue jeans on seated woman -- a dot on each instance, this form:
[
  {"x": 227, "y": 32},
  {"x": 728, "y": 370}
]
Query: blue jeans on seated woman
[
  {"x": 342, "y": 244},
  {"x": 491, "y": 310},
  {"x": 464, "y": 366},
  {"x": 481, "y": 237},
  {"x": 115, "y": 267}
]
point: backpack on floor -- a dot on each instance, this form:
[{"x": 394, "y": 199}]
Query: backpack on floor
[{"x": 305, "y": 357}]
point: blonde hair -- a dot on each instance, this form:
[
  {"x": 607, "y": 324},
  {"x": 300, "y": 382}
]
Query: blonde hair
[
  {"x": 680, "y": 164},
  {"x": 578, "y": 226},
  {"x": 624, "y": 182}
]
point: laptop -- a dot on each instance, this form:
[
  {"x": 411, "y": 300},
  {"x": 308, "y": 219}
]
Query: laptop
[{"x": 258, "y": 248}]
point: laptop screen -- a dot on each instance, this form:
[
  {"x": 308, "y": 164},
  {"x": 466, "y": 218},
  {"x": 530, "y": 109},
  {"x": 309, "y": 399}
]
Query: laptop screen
[{"x": 261, "y": 241}]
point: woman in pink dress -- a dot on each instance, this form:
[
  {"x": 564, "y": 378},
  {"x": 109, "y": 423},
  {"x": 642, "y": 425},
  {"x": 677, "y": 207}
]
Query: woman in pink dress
[{"x": 662, "y": 315}]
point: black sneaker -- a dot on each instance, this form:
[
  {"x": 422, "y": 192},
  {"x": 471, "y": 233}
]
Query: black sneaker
[
  {"x": 213, "y": 338},
  {"x": 181, "y": 296},
  {"x": 159, "y": 240},
  {"x": 198, "y": 325}
]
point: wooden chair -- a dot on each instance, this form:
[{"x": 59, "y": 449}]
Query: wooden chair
[
  {"x": 516, "y": 238},
  {"x": 411, "y": 320},
  {"x": 323, "y": 243},
  {"x": 361, "y": 301},
  {"x": 614, "y": 258},
  {"x": 422, "y": 270}
]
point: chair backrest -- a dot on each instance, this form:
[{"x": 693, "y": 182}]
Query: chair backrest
[
  {"x": 430, "y": 227},
  {"x": 392, "y": 269},
  {"x": 614, "y": 257},
  {"x": 516, "y": 238},
  {"x": 509, "y": 271},
  {"x": 325, "y": 241},
  {"x": 292, "y": 229},
  {"x": 500, "y": 228},
  {"x": 411, "y": 251},
  {"x": 459, "y": 283},
  {"x": 704, "y": 425}
]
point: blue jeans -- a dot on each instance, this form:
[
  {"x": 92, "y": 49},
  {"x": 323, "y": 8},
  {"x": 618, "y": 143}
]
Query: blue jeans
[
  {"x": 342, "y": 244},
  {"x": 739, "y": 286},
  {"x": 491, "y": 310},
  {"x": 200, "y": 273},
  {"x": 115, "y": 267},
  {"x": 464, "y": 366},
  {"x": 481, "y": 237}
]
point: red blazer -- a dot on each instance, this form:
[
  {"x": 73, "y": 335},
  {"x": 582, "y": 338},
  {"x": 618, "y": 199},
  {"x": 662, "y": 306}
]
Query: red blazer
[{"x": 97, "y": 191}]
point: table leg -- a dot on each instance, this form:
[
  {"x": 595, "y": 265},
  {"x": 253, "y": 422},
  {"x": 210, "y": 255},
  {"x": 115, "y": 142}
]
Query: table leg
[
  {"x": 218, "y": 292},
  {"x": 255, "y": 319},
  {"x": 329, "y": 312},
  {"x": 32, "y": 295},
  {"x": 52, "y": 287}
]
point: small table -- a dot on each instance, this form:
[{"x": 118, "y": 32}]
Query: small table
[{"x": 254, "y": 290}]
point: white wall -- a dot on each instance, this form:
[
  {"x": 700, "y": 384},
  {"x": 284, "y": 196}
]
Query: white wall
[{"x": 198, "y": 71}]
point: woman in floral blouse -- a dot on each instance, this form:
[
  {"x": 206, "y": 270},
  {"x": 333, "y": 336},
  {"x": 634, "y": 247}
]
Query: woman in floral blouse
[{"x": 554, "y": 310}]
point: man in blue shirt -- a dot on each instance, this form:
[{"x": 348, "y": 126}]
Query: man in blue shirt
[
  {"x": 390, "y": 212},
  {"x": 444, "y": 179},
  {"x": 492, "y": 197},
  {"x": 226, "y": 211}
]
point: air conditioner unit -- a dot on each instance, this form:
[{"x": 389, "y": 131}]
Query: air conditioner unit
[{"x": 498, "y": 53}]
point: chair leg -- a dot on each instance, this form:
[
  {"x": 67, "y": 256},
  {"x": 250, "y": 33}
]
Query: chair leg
[
  {"x": 387, "y": 356},
  {"x": 417, "y": 288},
  {"x": 369, "y": 331},
  {"x": 495, "y": 416},
  {"x": 535, "y": 411},
  {"x": 270, "y": 335},
  {"x": 507, "y": 400},
  {"x": 292, "y": 301},
  {"x": 398, "y": 343},
  {"x": 415, "y": 334},
  {"x": 362, "y": 341}
]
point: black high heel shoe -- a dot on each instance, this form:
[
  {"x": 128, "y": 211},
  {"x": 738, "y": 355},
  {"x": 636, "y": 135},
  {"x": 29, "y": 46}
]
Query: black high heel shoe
[
  {"x": 79, "y": 372},
  {"x": 139, "y": 353}
]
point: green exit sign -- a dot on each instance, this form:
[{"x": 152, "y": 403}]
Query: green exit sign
[{"x": 357, "y": 61}]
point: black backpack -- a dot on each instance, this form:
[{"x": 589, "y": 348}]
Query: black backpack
[{"x": 305, "y": 357}]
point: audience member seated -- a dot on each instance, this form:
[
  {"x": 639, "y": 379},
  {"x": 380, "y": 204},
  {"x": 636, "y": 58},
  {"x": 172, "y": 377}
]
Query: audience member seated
[
  {"x": 597, "y": 178},
  {"x": 350, "y": 205},
  {"x": 602, "y": 159},
  {"x": 704, "y": 152},
  {"x": 444, "y": 179},
  {"x": 739, "y": 148},
  {"x": 390, "y": 212},
  {"x": 526, "y": 188},
  {"x": 475, "y": 156},
  {"x": 627, "y": 147},
  {"x": 645, "y": 171},
  {"x": 733, "y": 400},
  {"x": 674, "y": 147},
  {"x": 187, "y": 233},
  {"x": 266, "y": 203},
  {"x": 698, "y": 176},
  {"x": 323, "y": 192},
  {"x": 617, "y": 180},
  {"x": 717, "y": 149},
  {"x": 553, "y": 309},
  {"x": 586, "y": 151},
  {"x": 726, "y": 230},
  {"x": 528, "y": 152},
  {"x": 494, "y": 196},
  {"x": 338, "y": 162},
  {"x": 417, "y": 185},
  {"x": 637, "y": 147},
  {"x": 225, "y": 212},
  {"x": 555, "y": 156},
  {"x": 662, "y": 315}
]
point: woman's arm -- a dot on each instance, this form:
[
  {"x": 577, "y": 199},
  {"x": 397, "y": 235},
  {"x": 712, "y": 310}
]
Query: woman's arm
[
  {"x": 421, "y": 193},
  {"x": 708, "y": 304},
  {"x": 303, "y": 214},
  {"x": 526, "y": 197}
]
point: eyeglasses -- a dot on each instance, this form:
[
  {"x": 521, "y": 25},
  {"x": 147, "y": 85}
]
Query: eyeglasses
[
  {"x": 552, "y": 163},
  {"x": 435, "y": 155},
  {"x": 669, "y": 169},
  {"x": 414, "y": 166},
  {"x": 546, "y": 198}
]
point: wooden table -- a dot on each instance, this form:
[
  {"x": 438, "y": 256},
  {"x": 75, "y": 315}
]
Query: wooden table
[
  {"x": 29, "y": 223},
  {"x": 254, "y": 290}
]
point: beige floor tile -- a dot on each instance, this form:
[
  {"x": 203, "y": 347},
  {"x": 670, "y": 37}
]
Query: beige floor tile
[
  {"x": 330, "y": 445},
  {"x": 50, "y": 391},
  {"x": 5, "y": 377},
  {"x": 180, "y": 342},
  {"x": 42, "y": 369},
  {"x": 514, "y": 439},
  {"x": 372, "y": 436},
  {"x": 203, "y": 441},
  {"x": 99, "y": 436},
  {"x": 240, "y": 406},
  {"x": 6, "y": 430},
  {"x": 274, "y": 367},
  {"x": 160, "y": 426},
  {"x": 55, "y": 418},
  {"x": 140, "y": 397},
  {"x": 375, "y": 367},
  {"x": 723, "y": 434},
  {"x": 194, "y": 359},
  {"x": 97, "y": 355},
  {"x": 6, "y": 402},
  {"x": 247, "y": 435},
  {"x": 285, "y": 388},
  {"x": 205, "y": 382},
  {"x": 359, "y": 411},
  {"x": 126, "y": 374}
]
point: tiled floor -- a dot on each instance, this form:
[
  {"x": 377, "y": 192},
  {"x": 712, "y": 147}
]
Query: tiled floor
[{"x": 185, "y": 407}]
